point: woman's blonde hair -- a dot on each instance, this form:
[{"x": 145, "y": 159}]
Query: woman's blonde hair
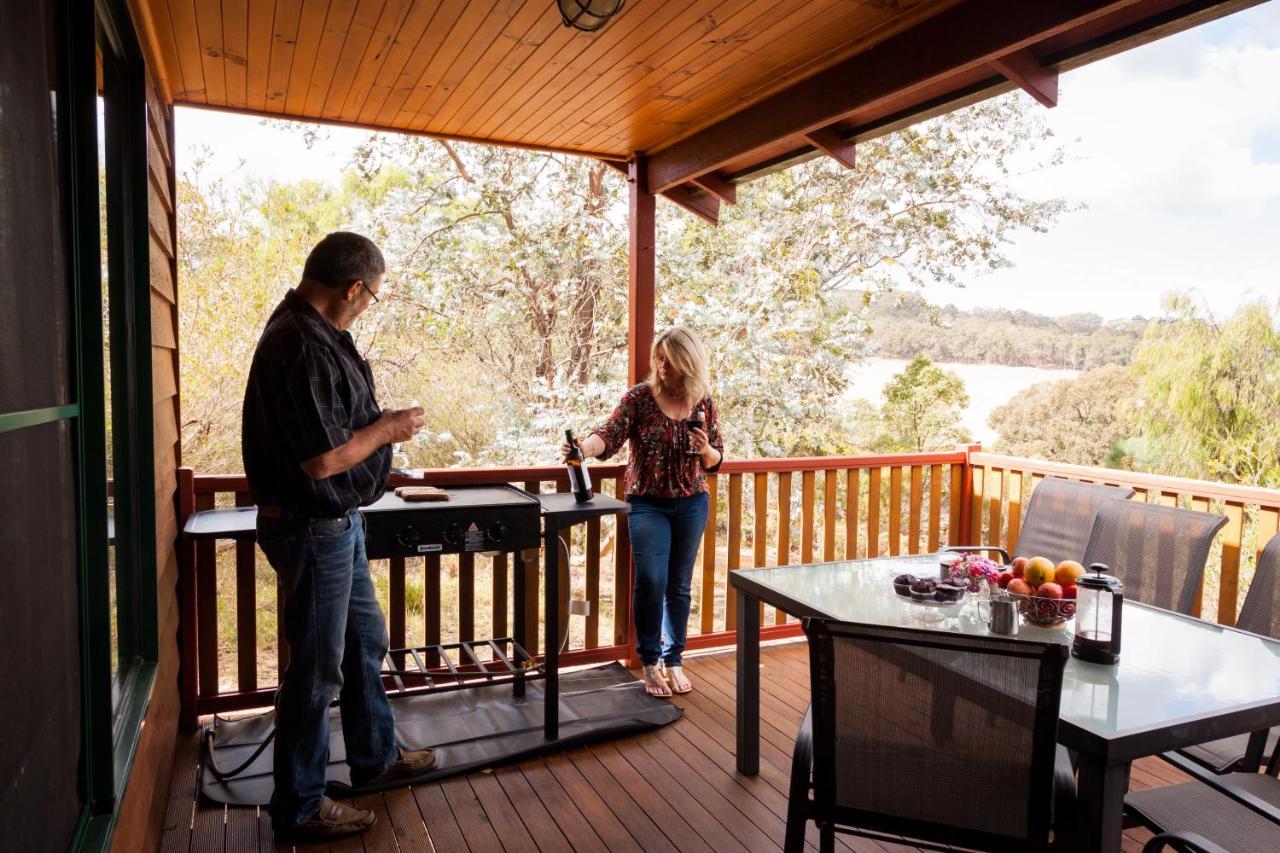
[{"x": 685, "y": 352}]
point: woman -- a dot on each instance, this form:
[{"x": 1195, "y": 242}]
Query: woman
[{"x": 667, "y": 489}]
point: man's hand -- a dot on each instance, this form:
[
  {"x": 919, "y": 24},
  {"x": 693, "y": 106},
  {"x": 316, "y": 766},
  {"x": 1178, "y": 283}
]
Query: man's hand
[
  {"x": 401, "y": 424},
  {"x": 390, "y": 427}
]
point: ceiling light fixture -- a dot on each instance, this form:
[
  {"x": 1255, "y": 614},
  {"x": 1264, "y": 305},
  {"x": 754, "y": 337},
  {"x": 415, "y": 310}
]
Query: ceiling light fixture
[{"x": 588, "y": 15}]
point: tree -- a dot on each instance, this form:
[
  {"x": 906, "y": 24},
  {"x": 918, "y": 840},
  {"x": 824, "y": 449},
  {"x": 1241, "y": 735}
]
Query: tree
[
  {"x": 505, "y": 306},
  {"x": 1208, "y": 393},
  {"x": 1080, "y": 420},
  {"x": 922, "y": 408}
]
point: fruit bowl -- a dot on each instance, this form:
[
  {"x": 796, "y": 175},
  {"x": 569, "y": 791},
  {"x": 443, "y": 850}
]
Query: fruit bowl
[{"x": 1044, "y": 611}]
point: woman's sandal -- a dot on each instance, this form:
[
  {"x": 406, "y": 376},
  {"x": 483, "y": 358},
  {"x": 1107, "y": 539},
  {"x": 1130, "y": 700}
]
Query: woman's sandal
[
  {"x": 677, "y": 680},
  {"x": 655, "y": 683}
]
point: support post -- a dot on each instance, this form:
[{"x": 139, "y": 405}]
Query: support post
[{"x": 640, "y": 271}]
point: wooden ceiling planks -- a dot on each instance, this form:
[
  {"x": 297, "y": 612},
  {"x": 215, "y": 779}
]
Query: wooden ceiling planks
[
  {"x": 656, "y": 79},
  {"x": 652, "y": 55},
  {"x": 262, "y": 14},
  {"x": 235, "y": 51},
  {"x": 701, "y": 61}
]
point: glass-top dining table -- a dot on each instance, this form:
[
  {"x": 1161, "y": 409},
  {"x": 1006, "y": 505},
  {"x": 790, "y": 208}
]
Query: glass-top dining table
[{"x": 1180, "y": 680}]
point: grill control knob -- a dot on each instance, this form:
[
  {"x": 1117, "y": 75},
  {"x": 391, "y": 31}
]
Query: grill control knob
[
  {"x": 453, "y": 534},
  {"x": 408, "y": 537},
  {"x": 496, "y": 532}
]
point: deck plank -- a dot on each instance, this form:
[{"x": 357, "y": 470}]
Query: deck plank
[{"x": 670, "y": 789}]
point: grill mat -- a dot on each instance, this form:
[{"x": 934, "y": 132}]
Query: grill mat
[{"x": 469, "y": 729}]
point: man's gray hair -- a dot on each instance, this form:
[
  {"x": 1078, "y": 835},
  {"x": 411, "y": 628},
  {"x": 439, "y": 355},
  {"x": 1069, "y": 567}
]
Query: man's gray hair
[{"x": 342, "y": 258}]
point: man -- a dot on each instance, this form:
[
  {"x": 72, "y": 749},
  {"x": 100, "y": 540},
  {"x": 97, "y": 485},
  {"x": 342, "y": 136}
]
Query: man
[{"x": 316, "y": 448}]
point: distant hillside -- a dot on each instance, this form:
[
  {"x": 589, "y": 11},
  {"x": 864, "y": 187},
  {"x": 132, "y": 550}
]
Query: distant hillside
[{"x": 903, "y": 327}]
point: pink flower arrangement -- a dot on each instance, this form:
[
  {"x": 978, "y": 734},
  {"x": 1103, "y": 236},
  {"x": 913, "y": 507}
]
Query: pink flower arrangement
[{"x": 972, "y": 571}]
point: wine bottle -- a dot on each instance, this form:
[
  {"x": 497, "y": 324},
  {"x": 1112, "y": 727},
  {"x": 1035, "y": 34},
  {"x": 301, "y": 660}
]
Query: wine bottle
[{"x": 576, "y": 463}]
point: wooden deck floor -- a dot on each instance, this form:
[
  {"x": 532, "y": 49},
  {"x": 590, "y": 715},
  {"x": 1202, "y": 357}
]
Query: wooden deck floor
[{"x": 670, "y": 790}]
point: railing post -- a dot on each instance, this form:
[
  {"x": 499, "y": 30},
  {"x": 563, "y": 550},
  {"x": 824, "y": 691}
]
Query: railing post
[{"x": 187, "y": 717}]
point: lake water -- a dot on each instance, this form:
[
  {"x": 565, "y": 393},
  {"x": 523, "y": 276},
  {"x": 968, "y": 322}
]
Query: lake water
[{"x": 989, "y": 385}]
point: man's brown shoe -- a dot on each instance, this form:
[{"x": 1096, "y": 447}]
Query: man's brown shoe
[
  {"x": 335, "y": 819},
  {"x": 410, "y": 763}
]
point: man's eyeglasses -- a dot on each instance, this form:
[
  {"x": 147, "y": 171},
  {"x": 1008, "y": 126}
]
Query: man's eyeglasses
[{"x": 370, "y": 292}]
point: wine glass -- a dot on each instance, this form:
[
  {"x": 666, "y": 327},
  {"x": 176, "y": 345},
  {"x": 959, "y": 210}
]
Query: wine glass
[{"x": 696, "y": 420}]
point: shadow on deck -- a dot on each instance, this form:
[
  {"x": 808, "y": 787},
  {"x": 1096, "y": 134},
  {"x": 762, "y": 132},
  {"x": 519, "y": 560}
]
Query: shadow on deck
[{"x": 674, "y": 789}]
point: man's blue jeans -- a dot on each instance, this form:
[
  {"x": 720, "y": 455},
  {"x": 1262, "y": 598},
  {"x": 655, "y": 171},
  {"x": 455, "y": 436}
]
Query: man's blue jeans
[
  {"x": 337, "y": 640},
  {"x": 665, "y": 533}
]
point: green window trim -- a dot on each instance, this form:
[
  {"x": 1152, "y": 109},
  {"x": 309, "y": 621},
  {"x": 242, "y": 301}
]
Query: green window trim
[{"x": 35, "y": 417}]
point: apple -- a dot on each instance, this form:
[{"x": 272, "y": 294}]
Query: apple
[
  {"x": 1018, "y": 566},
  {"x": 1018, "y": 586},
  {"x": 1003, "y": 578},
  {"x": 1067, "y": 573},
  {"x": 1069, "y": 591},
  {"x": 1049, "y": 590},
  {"x": 1039, "y": 570}
]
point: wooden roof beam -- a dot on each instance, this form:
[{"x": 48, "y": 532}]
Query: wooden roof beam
[
  {"x": 965, "y": 37},
  {"x": 688, "y": 196},
  {"x": 714, "y": 183},
  {"x": 826, "y": 139},
  {"x": 1023, "y": 68}
]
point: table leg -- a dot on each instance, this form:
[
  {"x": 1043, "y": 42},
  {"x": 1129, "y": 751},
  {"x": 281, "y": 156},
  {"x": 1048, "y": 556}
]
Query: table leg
[
  {"x": 1101, "y": 788},
  {"x": 748, "y": 684},
  {"x": 551, "y": 629}
]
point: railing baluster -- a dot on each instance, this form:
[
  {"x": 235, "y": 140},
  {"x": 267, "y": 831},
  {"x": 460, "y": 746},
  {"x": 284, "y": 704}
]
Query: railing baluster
[
  {"x": 808, "y": 482},
  {"x": 784, "y": 532},
  {"x": 500, "y": 594},
  {"x": 1229, "y": 575},
  {"x": 466, "y": 597},
  {"x": 431, "y": 605},
  {"x": 956, "y": 535},
  {"x": 1014, "y": 523},
  {"x": 708, "y": 598},
  {"x": 246, "y": 609},
  {"x": 1197, "y": 606},
  {"x": 935, "y": 507},
  {"x": 975, "y": 509},
  {"x": 1268, "y": 524},
  {"x": 760, "y": 511},
  {"x": 531, "y": 592},
  {"x": 396, "y": 606},
  {"x": 829, "y": 515},
  {"x": 734, "y": 557},
  {"x": 913, "y": 517},
  {"x": 895, "y": 511},
  {"x": 995, "y": 504},
  {"x": 207, "y": 607},
  {"x": 873, "y": 512},
  {"x": 621, "y": 572},
  {"x": 592, "y": 629},
  {"x": 853, "y": 488}
]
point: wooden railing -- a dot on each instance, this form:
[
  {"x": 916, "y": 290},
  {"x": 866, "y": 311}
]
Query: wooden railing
[
  {"x": 854, "y": 506},
  {"x": 764, "y": 512},
  {"x": 1001, "y": 487}
]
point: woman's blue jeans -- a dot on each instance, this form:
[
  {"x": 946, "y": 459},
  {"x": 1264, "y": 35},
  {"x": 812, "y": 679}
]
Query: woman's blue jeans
[
  {"x": 337, "y": 640},
  {"x": 665, "y": 534}
]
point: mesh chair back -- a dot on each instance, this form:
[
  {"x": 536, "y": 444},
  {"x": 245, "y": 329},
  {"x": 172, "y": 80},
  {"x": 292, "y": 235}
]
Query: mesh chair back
[
  {"x": 1261, "y": 611},
  {"x": 1158, "y": 552},
  {"x": 934, "y": 736},
  {"x": 1060, "y": 517}
]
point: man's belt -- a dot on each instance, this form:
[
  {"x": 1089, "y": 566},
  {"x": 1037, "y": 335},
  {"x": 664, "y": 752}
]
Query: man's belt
[{"x": 276, "y": 512}]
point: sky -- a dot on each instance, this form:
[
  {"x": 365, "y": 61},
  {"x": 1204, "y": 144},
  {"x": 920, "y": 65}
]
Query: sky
[{"x": 1173, "y": 164}]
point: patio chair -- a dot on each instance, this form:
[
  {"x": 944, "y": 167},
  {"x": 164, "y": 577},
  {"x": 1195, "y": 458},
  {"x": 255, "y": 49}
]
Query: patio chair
[
  {"x": 1239, "y": 812},
  {"x": 1180, "y": 842},
  {"x": 1259, "y": 615},
  {"x": 934, "y": 738},
  {"x": 1158, "y": 552},
  {"x": 1059, "y": 519}
]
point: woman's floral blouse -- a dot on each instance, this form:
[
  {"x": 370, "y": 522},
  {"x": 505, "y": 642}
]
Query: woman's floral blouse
[{"x": 660, "y": 465}]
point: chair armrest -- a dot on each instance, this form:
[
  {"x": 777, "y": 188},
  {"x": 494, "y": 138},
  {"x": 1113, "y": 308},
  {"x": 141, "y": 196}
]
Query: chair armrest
[
  {"x": 802, "y": 759},
  {"x": 1223, "y": 785},
  {"x": 990, "y": 549},
  {"x": 1065, "y": 814},
  {"x": 1184, "y": 842}
]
